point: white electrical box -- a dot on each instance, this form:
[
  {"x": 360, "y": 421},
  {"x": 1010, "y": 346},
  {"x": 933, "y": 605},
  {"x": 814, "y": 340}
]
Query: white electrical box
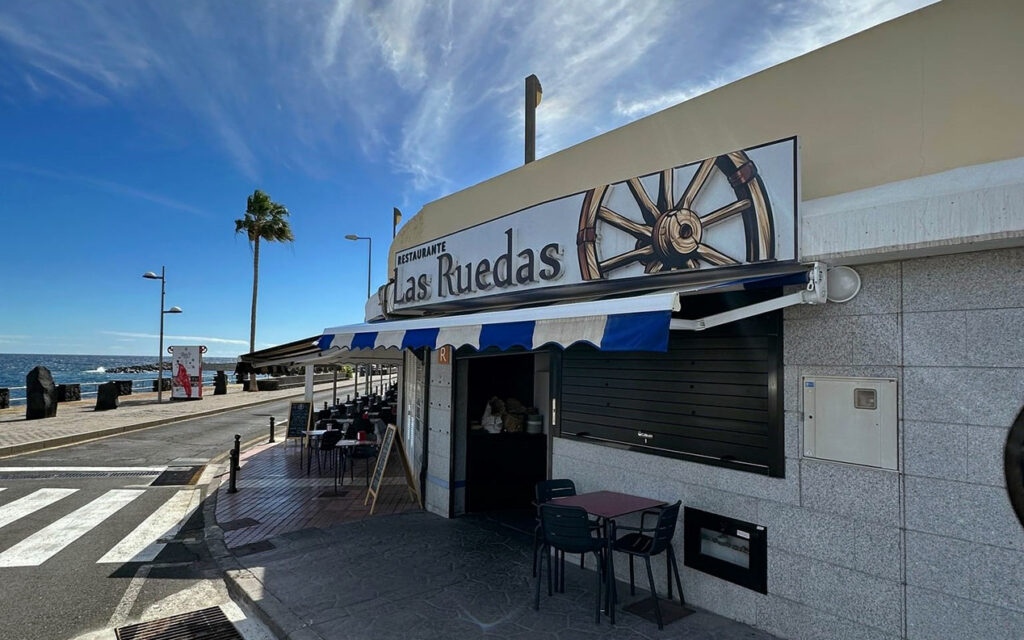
[{"x": 851, "y": 420}]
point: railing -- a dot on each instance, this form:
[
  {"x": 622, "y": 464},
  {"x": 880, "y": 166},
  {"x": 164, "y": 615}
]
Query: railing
[{"x": 147, "y": 387}]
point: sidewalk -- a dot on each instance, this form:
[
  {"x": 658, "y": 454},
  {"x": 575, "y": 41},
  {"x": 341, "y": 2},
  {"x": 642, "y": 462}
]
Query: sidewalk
[
  {"x": 77, "y": 421},
  {"x": 315, "y": 567},
  {"x": 276, "y": 496}
]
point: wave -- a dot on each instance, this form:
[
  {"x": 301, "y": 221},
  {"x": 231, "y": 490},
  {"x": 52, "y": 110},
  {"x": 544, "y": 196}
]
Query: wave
[{"x": 96, "y": 370}]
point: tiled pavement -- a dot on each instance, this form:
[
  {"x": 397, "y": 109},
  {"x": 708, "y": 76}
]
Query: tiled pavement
[
  {"x": 275, "y": 496},
  {"x": 415, "y": 575}
]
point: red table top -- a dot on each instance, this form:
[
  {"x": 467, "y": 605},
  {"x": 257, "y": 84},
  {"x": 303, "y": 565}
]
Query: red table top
[{"x": 609, "y": 504}]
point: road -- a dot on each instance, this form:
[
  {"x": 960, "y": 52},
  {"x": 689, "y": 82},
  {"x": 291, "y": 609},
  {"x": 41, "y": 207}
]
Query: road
[{"x": 81, "y": 555}]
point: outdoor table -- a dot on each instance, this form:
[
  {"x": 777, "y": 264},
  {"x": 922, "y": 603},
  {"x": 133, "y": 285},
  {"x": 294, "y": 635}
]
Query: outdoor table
[
  {"x": 313, "y": 434},
  {"x": 607, "y": 506},
  {"x": 339, "y": 451}
]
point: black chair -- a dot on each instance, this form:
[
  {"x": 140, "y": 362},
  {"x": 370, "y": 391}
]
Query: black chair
[
  {"x": 545, "y": 491},
  {"x": 569, "y": 530},
  {"x": 365, "y": 452},
  {"x": 646, "y": 542},
  {"x": 328, "y": 442}
]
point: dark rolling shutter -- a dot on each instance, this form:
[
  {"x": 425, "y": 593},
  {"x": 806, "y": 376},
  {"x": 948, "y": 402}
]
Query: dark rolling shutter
[{"x": 713, "y": 397}]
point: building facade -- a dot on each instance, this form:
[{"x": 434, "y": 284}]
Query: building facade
[{"x": 866, "y": 440}]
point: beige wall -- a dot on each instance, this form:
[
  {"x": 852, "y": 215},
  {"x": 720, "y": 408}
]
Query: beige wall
[{"x": 937, "y": 89}]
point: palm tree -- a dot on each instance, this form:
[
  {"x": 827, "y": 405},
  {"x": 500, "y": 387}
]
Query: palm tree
[{"x": 264, "y": 220}]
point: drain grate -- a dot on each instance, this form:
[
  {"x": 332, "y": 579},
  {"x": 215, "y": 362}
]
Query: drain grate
[
  {"x": 178, "y": 476},
  {"x": 241, "y": 523},
  {"x": 252, "y": 547},
  {"x": 63, "y": 475},
  {"x": 205, "y": 624},
  {"x": 331, "y": 494}
]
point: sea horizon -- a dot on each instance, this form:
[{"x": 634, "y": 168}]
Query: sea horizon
[{"x": 87, "y": 370}]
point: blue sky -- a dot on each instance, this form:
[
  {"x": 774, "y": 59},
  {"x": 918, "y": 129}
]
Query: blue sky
[{"x": 132, "y": 133}]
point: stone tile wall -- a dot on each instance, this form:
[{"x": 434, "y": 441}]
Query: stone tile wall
[{"x": 931, "y": 551}]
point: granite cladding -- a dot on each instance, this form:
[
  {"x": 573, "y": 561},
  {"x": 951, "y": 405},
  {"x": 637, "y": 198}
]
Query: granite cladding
[{"x": 931, "y": 551}]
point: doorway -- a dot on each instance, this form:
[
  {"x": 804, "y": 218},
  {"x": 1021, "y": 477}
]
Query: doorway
[{"x": 501, "y": 436}]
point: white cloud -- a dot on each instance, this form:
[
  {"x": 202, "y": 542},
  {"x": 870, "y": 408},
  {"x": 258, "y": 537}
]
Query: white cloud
[
  {"x": 153, "y": 336},
  {"x": 434, "y": 90},
  {"x": 105, "y": 185}
]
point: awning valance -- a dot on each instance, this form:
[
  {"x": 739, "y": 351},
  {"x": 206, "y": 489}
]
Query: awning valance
[
  {"x": 635, "y": 323},
  {"x": 639, "y": 323}
]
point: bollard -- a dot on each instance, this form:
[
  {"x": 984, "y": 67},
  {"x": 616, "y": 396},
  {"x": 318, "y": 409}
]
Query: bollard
[
  {"x": 271, "y": 428},
  {"x": 233, "y": 476}
]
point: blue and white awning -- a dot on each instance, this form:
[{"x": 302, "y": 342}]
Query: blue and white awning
[{"x": 639, "y": 323}]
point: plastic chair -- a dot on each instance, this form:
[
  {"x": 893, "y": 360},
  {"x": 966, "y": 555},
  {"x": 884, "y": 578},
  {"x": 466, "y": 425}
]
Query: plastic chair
[
  {"x": 569, "y": 530},
  {"x": 646, "y": 542}
]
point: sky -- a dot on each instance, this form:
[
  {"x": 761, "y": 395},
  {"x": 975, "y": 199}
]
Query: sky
[{"x": 132, "y": 132}]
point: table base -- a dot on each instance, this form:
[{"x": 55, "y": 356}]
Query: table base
[{"x": 671, "y": 610}]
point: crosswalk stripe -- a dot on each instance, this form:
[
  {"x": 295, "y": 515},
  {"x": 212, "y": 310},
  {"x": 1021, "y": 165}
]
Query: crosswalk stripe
[
  {"x": 141, "y": 544},
  {"x": 34, "y": 501},
  {"x": 50, "y": 540}
]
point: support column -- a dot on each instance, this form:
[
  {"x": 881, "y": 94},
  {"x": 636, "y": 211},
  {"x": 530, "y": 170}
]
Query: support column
[{"x": 309, "y": 382}]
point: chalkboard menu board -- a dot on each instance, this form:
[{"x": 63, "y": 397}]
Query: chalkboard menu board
[
  {"x": 298, "y": 419},
  {"x": 382, "y": 459},
  {"x": 382, "y": 462}
]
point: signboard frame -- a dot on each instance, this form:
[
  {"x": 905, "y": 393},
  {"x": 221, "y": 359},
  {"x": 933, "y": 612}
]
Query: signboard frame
[
  {"x": 741, "y": 218},
  {"x": 299, "y": 432},
  {"x": 186, "y": 371},
  {"x": 391, "y": 436}
]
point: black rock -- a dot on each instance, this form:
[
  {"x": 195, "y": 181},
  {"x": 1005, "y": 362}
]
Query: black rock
[
  {"x": 5, "y": 398},
  {"x": 69, "y": 392},
  {"x": 220, "y": 384},
  {"x": 166, "y": 385},
  {"x": 41, "y": 394},
  {"x": 124, "y": 387},
  {"x": 106, "y": 396}
]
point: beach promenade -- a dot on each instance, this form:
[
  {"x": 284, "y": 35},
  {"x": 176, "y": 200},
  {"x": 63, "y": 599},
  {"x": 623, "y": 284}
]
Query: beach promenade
[{"x": 78, "y": 422}]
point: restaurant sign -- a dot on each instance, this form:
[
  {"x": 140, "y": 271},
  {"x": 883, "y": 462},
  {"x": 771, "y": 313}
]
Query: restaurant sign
[{"x": 734, "y": 209}]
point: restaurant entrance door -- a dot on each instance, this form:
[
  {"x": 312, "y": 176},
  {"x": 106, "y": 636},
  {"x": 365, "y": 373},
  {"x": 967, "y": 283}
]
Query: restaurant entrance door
[{"x": 501, "y": 442}]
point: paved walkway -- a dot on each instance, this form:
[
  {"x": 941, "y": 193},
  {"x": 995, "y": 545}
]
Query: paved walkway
[
  {"x": 416, "y": 575},
  {"x": 77, "y": 421},
  {"x": 276, "y": 496}
]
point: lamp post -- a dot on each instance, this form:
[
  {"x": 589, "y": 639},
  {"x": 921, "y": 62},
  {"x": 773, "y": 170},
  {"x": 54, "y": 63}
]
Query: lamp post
[
  {"x": 369, "y": 257},
  {"x": 533, "y": 93},
  {"x": 149, "y": 275},
  {"x": 396, "y": 217}
]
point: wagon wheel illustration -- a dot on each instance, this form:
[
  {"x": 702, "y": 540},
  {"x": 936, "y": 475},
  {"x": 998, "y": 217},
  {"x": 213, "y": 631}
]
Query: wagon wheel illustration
[{"x": 671, "y": 236}]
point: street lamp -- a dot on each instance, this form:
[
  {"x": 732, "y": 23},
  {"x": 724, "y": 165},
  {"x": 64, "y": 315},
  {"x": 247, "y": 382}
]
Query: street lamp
[
  {"x": 149, "y": 275},
  {"x": 533, "y": 93},
  {"x": 396, "y": 217},
  {"x": 369, "y": 256}
]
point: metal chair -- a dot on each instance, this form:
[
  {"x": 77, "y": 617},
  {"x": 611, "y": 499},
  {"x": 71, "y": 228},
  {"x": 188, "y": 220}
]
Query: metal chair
[
  {"x": 545, "y": 491},
  {"x": 328, "y": 442},
  {"x": 645, "y": 542},
  {"x": 569, "y": 530}
]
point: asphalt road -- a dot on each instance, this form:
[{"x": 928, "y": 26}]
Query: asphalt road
[{"x": 61, "y": 537}]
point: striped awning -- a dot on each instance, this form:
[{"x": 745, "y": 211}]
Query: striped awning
[
  {"x": 636, "y": 323},
  {"x": 639, "y": 323}
]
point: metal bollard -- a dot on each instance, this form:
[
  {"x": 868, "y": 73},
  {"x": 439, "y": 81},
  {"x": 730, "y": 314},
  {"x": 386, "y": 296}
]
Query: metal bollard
[
  {"x": 233, "y": 475},
  {"x": 271, "y": 428}
]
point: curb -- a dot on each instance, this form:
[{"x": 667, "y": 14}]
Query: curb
[
  {"x": 242, "y": 584},
  {"x": 52, "y": 443}
]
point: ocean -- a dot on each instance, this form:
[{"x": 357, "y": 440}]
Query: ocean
[{"x": 86, "y": 369}]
